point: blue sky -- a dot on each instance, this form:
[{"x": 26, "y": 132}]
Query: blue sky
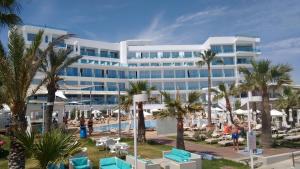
[{"x": 276, "y": 22}]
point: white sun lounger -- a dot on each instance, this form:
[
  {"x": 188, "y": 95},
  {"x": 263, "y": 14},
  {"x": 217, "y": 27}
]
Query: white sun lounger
[{"x": 292, "y": 138}]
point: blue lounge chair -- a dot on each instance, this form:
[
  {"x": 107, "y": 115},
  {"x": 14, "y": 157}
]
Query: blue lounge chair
[
  {"x": 80, "y": 163},
  {"x": 114, "y": 163}
]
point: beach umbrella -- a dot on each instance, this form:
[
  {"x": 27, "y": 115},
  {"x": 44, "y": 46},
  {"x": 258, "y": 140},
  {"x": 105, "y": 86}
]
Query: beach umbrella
[
  {"x": 241, "y": 112},
  {"x": 291, "y": 115},
  {"x": 277, "y": 113}
]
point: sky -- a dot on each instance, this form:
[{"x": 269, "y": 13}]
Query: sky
[{"x": 276, "y": 22}]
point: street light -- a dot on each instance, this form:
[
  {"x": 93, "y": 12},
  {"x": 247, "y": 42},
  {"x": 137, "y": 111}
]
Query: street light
[{"x": 137, "y": 99}]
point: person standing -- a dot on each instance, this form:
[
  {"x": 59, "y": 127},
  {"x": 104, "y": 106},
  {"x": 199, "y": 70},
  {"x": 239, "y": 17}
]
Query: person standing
[
  {"x": 90, "y": 126},
  {"x": 235, "y": 138}
]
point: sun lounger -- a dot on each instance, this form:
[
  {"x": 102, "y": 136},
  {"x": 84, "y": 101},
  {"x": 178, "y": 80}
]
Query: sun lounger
[
  {"x": 142, "y": 163},
  {"x": 212, "y": 140},
  {"x": 292, "y": 138},
  {"x": 80, "y": 162},
  {"x": 295, "y": 130},
  {"x": 279, "y": 136},
  {"x": 225, "y": 143}
]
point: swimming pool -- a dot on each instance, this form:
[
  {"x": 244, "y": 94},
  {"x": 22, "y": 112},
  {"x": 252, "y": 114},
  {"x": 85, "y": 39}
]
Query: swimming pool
[{"x": 124, "y": 125}]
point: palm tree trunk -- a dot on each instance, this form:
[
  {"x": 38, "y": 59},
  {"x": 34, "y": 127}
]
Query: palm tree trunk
[
  {"x": 228, "y": 107},
  {"x": 209, "y": 96},
  {"x": 287, "y": 115},
  {"x": 266, "y": 137},
  {"x": 180, "y": 131},
  {"x": 50, "y": 104},
  {"x": 141, "y": 124}
]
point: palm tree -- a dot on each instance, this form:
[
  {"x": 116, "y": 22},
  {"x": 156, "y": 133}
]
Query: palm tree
[
  {"x": 52, "y": 147},
  {"x": 259, "y": 79},
  {"x": 9, "y": 10},
  {"x": 17, "y": 69},
  {"x": 178, "y": 109},
  {"x": 226, "y": 92},
  {"x": 126, "y": 101},
  {"x": 289, "y": 99},
  {"x": 55, "y": 60}
]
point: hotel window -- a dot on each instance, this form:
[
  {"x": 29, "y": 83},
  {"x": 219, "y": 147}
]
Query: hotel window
[
  {"x": 188, "y": 54},
  {"x": 85, "y": 72},
  {"x": 166, "y": 55},
  {"x": 98, "y": 86},
  {"x": 167, "y": 64},
  {"x": 61, "y": 72},
  {"x": 131, "y": 55},
  {"x": 157, "y": 85},
  {"x": 72, "y": 71},
  {"x": 203, "y": 73},
  {"x": 216, "y": 83},
  {"x": 112, "y": 99},
  {"x": 46, "y": 39},
  {"x": 83, "y": 61},
  {"x": 217, "y": 73},
  {"x": 228, "y": 61},
  {"x": 111, "y": 73},
  {"x": 144, "y": 74},
  {"x": 216, "y": 48},
  {"x": 229, "y": 72},
  {"x": 112, "y": 86},
  {"x": 132, "y": 65},
  {"x": 104, "y": 53},
  {"x": 175, "y": 54},
  {"x": 86, "y": 83},
  {"x": 153, "y": 55},
  {"x": 31, "y": 36},
  {"x": 197, "y": 54},
  {"x": 244, "y": 60},
  {"x": 188, "y": 63},
  {"x": 114, "y": 54},
  {"x": 168, "y": 73},
  {"x": 217, "y": 61},
  {"x": 178, "y": 64},
  {"x": 193, "y": 85},
  {"x": 180, "y": 73},
  {"x": 145, "y": 55},
  {"x": 169, "y": 86},
  {"x": 155, "y": 74},
  {"x": 132, "y": 74},
  {"x": 122, "y": 74},
  {"x": 154, "y": 64},
  {"x": 90, "y": 52},
  {"x": 180, "y": 86},
  {"x": 71, "y": 83},
  {"x": 144, "y": 64},
  {"x": 193, "y": 73},
  {"x": 227, "y": 48},
  {"x": 244, "y": 48},
  {"x": 36, "y": 81},
  {"x": 99, "y": 73},
  {"x": 203, "y": 84},
  {"x": 122, "y": 86}
]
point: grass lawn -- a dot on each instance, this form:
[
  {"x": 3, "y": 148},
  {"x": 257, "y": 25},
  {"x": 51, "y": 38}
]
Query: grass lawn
[{"x": 149, "y": 150}]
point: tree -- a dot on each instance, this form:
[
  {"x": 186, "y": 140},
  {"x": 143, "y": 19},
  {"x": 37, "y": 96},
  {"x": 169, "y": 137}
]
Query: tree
[
  {"x": 9, "y": 10},
  {"x": 126, "y": 101},
  {"x": 258, "y": 79},
  {"x": 226, "y": 92},
  {"x": 206, "y": 59},
  {"x": 178, "y": 109},
  {"x": 55, "y": 60},
  {"x": 17, "y": 69},
  {"x": 52, "y": 147},
  {"x": 289, "y": 99}
]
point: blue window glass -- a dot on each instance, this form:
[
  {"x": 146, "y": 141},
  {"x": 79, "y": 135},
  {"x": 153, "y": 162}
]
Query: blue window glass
[
  {"x": 217, "y": 61},
  {"x": 228, "y": 61},
  {"x": 153, "y": 55},
  {"x": 36, "y": 81},
  {"x": 112, "y": 86},
  {"x": 180, "y": 86},
  {"x": 99, "y": 73},
  {"x": 86, "y": 72},
  {"x": 84, "y": 61},
  {"x": 188, "y": 64},
  {"x": 169, "y": 86},
  {"x": 229, "y": 72},
  {"x": 99, "y": 99},
  {"x": 104, "y": 53},
  {"x": 193, "y": 73},
  {"x": 111, "y": 73},
  {"x": 99, "y": 86},
  {"x": 188, "y": 54},
  {"x": 168, "y": 73},
  {"x": 155, "y": 74},
  {"x": 244, "y": 48},
  {"x": 166, "y": 55},
  {"x": 131, "y": 55},
  {"x": 154, "y": 64},
  {"x": 167, "y": 64},
  {"x": 175, "y": 54},
  {"x": 111, "y": 99},
  {"x": 157, "y": 85},
  {"x": 132, "y": 74},
  {"x": 122, "y": 74},
  {"x": 228, "y": 48},
  {"x": 73, "y": 83},
  {"x": 144, "y": 64},
  {"x": 114, "y": 54},
  {"x": 31, "y": 36},
  {"x": 216, "y": 83},
  {"x": 132, "y": 65},
  {"x": 46, "y": 39},
  {"x": 144, "y": 74},
  {"x": 216, "y": 48},
  {"x": 91, "y": 52},
  {"x": 217, "y": 73},
  {"x": 193, "y": 85},
  {"x": 178, "y": 63},
  {"x": 89, "y": 83},
  {"x": 203, "y": 73},
  {"x": 61, "y": 72},
  {"x": 145, "y": 55},
  {"x": 197, "y": 54},
  {"x": 72, "y": 71},
  {"x": 244, "y": 60},
  {"x": 122, "y": 86},
  {"x": 180, "y": 73},
  {"x": 203, "y": 84}
]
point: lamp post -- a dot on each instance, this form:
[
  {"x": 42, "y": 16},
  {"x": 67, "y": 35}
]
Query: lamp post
[
  {"x": 249, "y": 132},
  {"x": 137, "y": 99}
]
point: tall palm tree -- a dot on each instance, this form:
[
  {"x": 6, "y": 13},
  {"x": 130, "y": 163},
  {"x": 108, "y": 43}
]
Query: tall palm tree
[
  {"x": 259, "y": 79},
  {"x": 137, "y": 88},
  {"x": 9, "y": 10},
  {"x": 52, "y": 147},
  {"x": 178, "y": 109},
  {"x": 17, "y": 69},
  {"x": 55, "y": 60},
  {"x": 225, "y": 91},
  {"x": 289, "y": 99},
  {"x": 206, "y": 59}
]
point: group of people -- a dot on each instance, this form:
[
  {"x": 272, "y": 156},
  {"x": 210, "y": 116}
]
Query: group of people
[
  {"x": 90, "y": 124},
  {"x": 235, "y": 131}
]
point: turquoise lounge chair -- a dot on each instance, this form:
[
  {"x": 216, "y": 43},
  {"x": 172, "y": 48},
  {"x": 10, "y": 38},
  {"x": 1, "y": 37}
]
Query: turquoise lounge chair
[
  {"x": 181, "y": 159},
  {"x": 178, "y": 155},
  {"x": 114, "y": 163},
  {"x": 56, "y": 166},
  {"x": 80, "y": 163}
]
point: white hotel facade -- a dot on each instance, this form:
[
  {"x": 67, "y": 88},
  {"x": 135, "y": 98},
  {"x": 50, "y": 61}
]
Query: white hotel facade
[{"x": 107, "y": 67}]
